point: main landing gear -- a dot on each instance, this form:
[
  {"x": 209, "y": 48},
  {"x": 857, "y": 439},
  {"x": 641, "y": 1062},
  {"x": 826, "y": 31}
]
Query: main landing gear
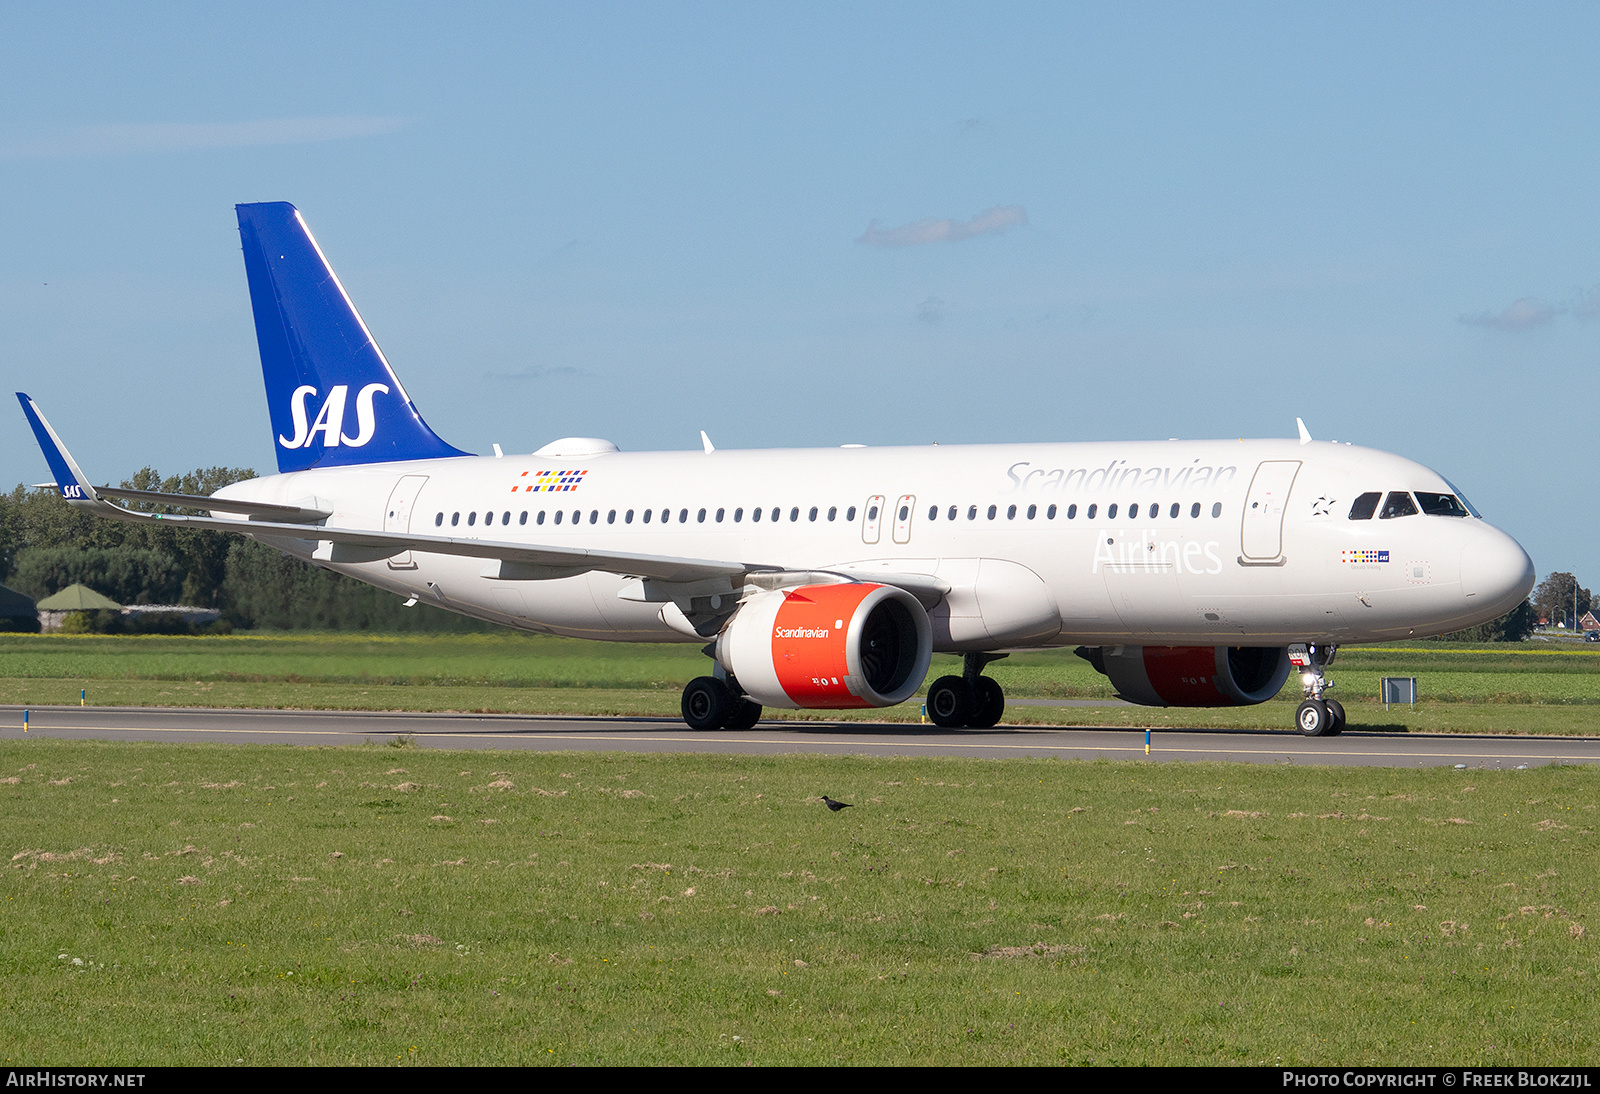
[
  {"x": 971, "y": 699},
  {"x": 1318, "y": 715},
  {"x": 709, "y": 703}
]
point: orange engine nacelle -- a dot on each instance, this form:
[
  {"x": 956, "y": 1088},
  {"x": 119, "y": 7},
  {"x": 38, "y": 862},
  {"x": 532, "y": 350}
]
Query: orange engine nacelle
[
  {"x": 1192, "y": 676},
  {"x": 828, "y": 646}
]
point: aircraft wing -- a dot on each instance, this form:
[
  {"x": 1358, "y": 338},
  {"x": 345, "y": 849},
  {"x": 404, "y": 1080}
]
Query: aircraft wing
[{"x": 278, "y": 523}]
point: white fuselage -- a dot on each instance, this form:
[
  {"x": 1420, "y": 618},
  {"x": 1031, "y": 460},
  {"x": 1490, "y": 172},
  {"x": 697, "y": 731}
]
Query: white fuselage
[{"x": 1156, "y": 543}]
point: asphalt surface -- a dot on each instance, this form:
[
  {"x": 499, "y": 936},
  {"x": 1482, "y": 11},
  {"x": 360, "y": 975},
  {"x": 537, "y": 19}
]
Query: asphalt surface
[{"x": 555, "y": 733}]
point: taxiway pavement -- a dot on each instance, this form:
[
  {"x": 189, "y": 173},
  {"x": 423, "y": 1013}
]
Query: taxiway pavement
[{"x": 599, "y": 734}]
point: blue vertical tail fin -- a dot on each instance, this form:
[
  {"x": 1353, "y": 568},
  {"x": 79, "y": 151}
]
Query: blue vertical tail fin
[{"x": 333, "y": 398}]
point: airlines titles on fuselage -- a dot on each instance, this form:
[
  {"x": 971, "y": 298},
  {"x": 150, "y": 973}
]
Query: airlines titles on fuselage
[{"x": 1148, "y": 555}]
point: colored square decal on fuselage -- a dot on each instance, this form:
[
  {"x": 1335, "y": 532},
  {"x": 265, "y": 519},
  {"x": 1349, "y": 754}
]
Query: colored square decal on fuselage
[{"x": 553, "y": 482}]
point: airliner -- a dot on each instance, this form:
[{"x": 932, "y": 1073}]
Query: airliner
[{"x": 1190, "y": 573}]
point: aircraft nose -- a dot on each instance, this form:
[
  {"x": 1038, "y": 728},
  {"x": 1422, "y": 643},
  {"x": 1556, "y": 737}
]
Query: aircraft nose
[{"x": 1496, "y": 573}]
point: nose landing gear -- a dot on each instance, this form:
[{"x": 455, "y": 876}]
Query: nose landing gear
[
  {"x": 970, "y": 700},
  {"x": 1318, "y": 716}
]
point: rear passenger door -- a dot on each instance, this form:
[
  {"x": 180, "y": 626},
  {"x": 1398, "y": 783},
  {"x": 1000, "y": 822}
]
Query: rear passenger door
[{"x": 397, "y": 515}]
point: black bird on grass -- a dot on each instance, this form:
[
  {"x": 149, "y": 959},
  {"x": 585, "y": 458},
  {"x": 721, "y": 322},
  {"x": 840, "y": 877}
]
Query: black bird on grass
[{"x": 833, "y": 805}]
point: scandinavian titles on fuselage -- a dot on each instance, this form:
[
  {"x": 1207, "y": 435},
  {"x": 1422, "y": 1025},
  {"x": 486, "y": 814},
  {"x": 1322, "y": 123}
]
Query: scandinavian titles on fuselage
[{"x": 1116, "y": 475}]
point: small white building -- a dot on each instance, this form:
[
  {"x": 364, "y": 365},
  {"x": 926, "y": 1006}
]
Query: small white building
[{"x": 198, "y": 616}]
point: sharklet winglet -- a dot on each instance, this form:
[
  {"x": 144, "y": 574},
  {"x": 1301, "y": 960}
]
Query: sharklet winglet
[{"x": 70, "y": 479}]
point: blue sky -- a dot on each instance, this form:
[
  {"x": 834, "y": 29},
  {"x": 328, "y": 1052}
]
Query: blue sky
[{"x": 815, "y": 225}]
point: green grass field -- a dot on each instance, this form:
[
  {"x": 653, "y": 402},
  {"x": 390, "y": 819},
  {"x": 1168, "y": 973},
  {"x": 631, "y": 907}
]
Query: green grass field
[
  {"x": 215, "y": 904},
  {"x": 1529, "y": 688},
  {"x": 265, "y": 905}
]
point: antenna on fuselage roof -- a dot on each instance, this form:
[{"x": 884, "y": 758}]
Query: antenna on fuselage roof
[
  {"x": 706, "y": 442},
  {"x": 1305, "y": 434}
]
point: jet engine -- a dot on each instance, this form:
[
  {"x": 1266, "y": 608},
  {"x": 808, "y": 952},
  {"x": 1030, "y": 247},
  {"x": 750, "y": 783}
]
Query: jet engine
[
  {"x": 1192, "y": 676},
  {"x": 828, "y": 646}
]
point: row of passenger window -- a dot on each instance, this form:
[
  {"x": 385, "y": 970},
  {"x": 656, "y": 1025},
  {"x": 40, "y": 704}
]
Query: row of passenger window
[
  {"x": 1399, "y": 504},
  {"x": 1152, "y": 509},
  {"x": 647, "y": 516}
]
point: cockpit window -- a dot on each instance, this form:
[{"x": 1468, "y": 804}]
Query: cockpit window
[
  {"x": 1463, "y": 499},
  {"x": 1441, "y": 505},
  {"x": 1398, "y": 504},
  {"x": 1365, "y": 506}
]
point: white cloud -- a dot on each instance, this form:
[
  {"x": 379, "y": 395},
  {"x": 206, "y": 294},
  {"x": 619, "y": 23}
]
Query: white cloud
[
  {"x": 988, "y": 222},
  {"x": 134, "y": 139},
  {"x": 1523, "y": 314}
]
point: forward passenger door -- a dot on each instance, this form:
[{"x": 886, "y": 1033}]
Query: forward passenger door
[{"x": 1261, "y": 536}]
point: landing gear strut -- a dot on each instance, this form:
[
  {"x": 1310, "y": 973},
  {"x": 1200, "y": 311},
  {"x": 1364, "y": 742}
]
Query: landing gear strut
[
  {"x": 971, "y": 699},
  {"x": 1318, "y": 716}
]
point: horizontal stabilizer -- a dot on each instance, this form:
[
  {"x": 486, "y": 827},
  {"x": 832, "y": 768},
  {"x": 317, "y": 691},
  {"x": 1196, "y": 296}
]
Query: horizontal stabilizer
[{"x": 255, "y": 510}]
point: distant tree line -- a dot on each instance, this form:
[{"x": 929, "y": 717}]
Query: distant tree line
[
  {"x": 1560, "y": 599},
  {"x": 1514, "y": 626},
  {"x": 46, "y": 545}
]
